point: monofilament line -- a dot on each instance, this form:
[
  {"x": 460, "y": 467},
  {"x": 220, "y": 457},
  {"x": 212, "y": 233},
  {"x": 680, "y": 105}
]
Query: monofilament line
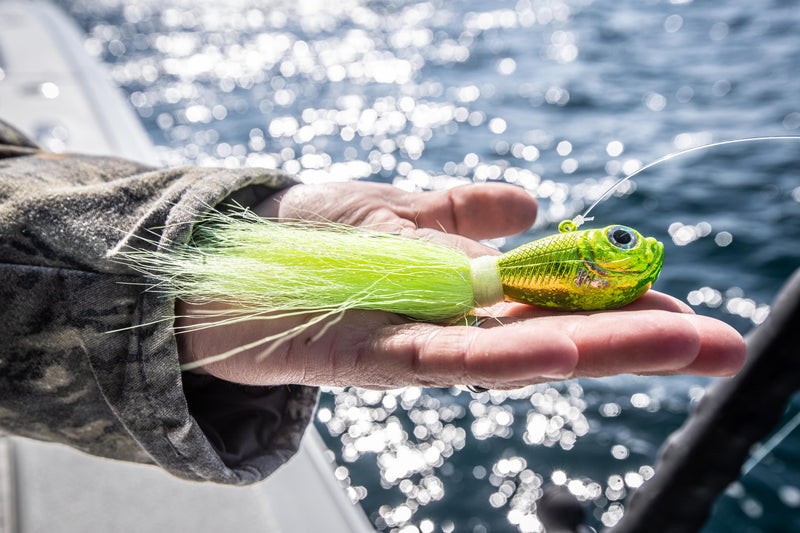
[{"x": 580, "y": 219}]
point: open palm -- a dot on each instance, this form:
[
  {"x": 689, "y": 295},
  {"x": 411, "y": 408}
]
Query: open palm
[{"x": 520, "y": 345}]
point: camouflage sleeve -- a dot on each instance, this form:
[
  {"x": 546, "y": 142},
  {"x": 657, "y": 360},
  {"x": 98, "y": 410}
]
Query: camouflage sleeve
[{"x": 86, "y": 358}]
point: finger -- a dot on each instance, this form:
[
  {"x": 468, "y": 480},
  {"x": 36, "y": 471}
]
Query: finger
[
  {"x": 377, "y": 350},
  {"x": 657, "y": 342},
  {"x": 722, "y": 353},
  {"x": 632, "y": 342},
  {"x": 650, "y": 342},
  {"x": 442, "y": 356},
  {"x": 474, "y": 211}
]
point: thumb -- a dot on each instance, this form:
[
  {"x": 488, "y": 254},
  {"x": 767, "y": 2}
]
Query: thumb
[{"x": 475, "y": 211}]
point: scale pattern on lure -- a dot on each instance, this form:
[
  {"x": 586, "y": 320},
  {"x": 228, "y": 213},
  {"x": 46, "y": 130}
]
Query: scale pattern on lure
[{"x": 267, "y": 267}]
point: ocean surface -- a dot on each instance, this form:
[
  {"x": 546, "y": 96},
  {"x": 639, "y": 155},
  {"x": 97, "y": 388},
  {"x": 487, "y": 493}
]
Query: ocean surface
[{"x": 558, "y": 97}]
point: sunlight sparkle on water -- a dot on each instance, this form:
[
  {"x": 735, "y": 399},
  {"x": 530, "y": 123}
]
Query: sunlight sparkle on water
[{"x": 732, "y": 302}]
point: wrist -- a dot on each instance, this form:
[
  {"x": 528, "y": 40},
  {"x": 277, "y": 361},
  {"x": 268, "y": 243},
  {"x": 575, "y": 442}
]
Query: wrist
[{"x": 270, "y": 207}]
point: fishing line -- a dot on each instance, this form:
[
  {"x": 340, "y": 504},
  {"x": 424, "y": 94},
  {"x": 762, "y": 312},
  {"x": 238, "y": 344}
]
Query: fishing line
[
  {"x": 765, "y": 449},
  {"x": 580, "y": 219}
]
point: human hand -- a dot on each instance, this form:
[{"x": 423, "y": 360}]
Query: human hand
[{"x": 657, "y": 334}]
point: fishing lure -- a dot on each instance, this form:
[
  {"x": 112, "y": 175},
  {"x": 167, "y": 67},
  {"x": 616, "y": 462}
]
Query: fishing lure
[
  {"x": 581, "y": 270},
  {"x": 269, "y": 267}
]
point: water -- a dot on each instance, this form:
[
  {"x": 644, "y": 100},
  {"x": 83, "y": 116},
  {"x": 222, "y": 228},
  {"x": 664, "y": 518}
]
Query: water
[{"x": 559, "y": 97}]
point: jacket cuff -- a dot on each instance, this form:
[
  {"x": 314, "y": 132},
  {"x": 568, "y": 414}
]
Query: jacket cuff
[{"x": 200, "y": 427}]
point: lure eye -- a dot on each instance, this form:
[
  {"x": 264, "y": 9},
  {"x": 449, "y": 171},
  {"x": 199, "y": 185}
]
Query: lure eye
[{"x": 622, "y": 237}]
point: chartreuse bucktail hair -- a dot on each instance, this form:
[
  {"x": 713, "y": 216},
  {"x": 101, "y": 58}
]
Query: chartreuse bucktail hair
[{"x": 265, "y": 268}]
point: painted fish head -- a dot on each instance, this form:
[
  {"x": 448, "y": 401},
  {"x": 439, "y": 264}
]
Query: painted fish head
[{"x": 624, "y": 257}]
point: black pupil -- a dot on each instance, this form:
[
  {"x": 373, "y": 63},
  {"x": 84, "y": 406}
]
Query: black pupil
[{"x": 622, "y": 236}]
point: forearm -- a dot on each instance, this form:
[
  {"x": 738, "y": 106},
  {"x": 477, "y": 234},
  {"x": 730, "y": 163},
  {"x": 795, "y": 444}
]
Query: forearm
[{"x": 88, "y": 357}]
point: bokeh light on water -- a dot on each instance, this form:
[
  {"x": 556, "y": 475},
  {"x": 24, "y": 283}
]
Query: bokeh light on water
[
  {"x": 561, "y": 98},
  {"x": 445, "y": 454}
]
